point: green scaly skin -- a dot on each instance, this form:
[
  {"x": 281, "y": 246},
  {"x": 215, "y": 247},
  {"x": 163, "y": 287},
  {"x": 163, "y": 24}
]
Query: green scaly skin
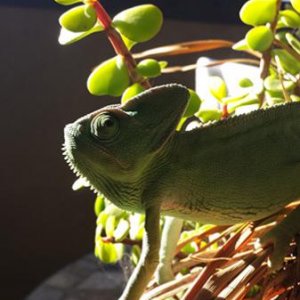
[{"x": 231, "y": 171}]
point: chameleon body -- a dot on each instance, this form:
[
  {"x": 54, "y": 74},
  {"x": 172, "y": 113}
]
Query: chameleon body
[{"x": 241, "y": 169}]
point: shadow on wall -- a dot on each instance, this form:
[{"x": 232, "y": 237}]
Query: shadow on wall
[
  {"x": 222, "y": 11},
  {"x": 43, "y": 223}
]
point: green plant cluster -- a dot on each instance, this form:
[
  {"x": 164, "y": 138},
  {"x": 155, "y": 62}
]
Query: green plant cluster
[{"x": 273, "y": 40}]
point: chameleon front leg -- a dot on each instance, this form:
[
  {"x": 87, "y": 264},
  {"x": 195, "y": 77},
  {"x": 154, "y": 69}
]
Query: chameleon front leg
[
  {"x": 280, "y": 236},
  {"x": 149, "y": 257},
  {"x": 169, "y": 239}
]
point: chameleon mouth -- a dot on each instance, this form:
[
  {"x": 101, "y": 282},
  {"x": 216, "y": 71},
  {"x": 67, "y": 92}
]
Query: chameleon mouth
[{"x": 71, "y": 131}]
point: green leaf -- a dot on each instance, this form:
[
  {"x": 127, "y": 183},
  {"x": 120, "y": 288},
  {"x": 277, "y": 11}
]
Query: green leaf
[
  {"x": 67, "y": 2},
  {"x": 232, "y": 99},
  {"x": 102, "y": 217},
  {"x": 107, "y": 252},
  {"x": 295, "y": 98},
  {"x": 78, "y": 19},
  {"x": 250, "y": 99},
  {"x": 193, "y": 104},
  {"x": 274, "y": 86},
  {"x": 273, "y": 100},
  {"x": 206, "y": 114},
  {"x": 287, "y": 61},
  {"x": 109, "y": 78},
  {"x": 163, "y": 64},
  {"x": 241, "y": 45},
  {"x": 293, "y": 42},
  {"x": 296, "y": 5},
  {"x": 99, "y": 205},
  {"x": 140, "y": 23},
  {"x": 190, "y": 247},
  {"x": 131, "y": 91},
  {"x": 136, "y": 231},
  {"x": 122, "y": 230},
  {"x": 217, "y": 87},
  {"x": 110, "y": 226},
  {"x": 135, "y": 254},
  {"x": 290, "y": 18},
  {"x": 245, "y": 83},
  {"x": 67, "y": 37},
  {"x": 258, "y": 12},
  {"x": 113, "y": 210},
  {"x": 259, "y": 38},
  {"x": 149, "y": 68}
]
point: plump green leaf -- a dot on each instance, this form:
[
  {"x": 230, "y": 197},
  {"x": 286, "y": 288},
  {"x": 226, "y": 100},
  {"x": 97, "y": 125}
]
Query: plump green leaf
[
  {"x": 235, "y": 98},
  {"x": 67, "y": 2},
  {"x": 274, "y": 86},
  {"x": 250, "y": 99},
  {"x": 140, "y": 23},
  {"x": 287, "y": 61},
  {"x": 273, "y": 100},
  {"x": 131, "y": 91},
  {"x": 110, "y": 225},
  {"x": 241, "y": 45},
  {"x": 102, "y": 217},
  {"x": 296, "y": 5},
  {"x": 109, "y": 78},
  {"x": 122, "y": 230},
  {"x": 163, "y": 64},
  {"x": 136, "y": 226},
  {"x": 207, "y": 114},
  {"x": 259, "y": 38},
  {"x": 190, "y": 247},
  {"x": 193, "y": 104},
  {"x": 113, "y": 210},
  {"x": 149, "y": 68},
  {"x": 135, "y": 254},
  {"x": 290, "y": 18},
  {"x": 99, "y": 205},
  {"x": 107, "y": 252},
  {"x": 67, "y": 37},
  {"x": 217, "y": 87},
  {"x": 78, "y": 19},
  {"x": 258, "y": 12},
  {"x": 293, "y": 42},
  {"x": 245, "y": 83},
  {"x": 295, "y": 98}
]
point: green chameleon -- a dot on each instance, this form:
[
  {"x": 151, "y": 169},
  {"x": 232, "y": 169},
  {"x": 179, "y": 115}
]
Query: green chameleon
[{"x": 241, "y": 169}]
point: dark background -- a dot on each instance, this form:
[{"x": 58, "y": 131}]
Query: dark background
[{"x": 43, "y": 223}]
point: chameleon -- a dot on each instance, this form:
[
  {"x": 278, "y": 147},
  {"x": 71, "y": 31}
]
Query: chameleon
[{"x": 239, "y": 169}]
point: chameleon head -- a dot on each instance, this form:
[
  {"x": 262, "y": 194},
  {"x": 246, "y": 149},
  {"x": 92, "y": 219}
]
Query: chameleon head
[{"x": 118, "y": 142}]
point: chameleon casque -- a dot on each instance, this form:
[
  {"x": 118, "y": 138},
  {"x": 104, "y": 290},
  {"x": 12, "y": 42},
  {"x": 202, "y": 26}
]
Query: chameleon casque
[{"x": 241, "y": 169}]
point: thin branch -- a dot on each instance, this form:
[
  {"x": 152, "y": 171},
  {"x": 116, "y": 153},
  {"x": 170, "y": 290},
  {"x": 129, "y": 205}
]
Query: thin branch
[
  {"x": 119, "y": 45},
  {"x": 184, "y": 48}
]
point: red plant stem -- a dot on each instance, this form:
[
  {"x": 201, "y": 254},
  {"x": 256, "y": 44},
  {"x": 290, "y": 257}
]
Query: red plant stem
[
  {"x": 119, "y": 45},
  {"x": 266, "y": 56}
]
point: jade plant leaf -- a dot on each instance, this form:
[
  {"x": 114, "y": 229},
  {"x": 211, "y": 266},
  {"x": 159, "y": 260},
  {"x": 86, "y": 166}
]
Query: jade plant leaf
[
  {"x": 140, "y": 23},
  {"x": 67, "y": 37},
  {"x": 149, "y": 68},
  {"x": 131, "y": 91},
  {"x": 109, "y": 78},
  {"x": 78, "y": 19},
  {"x": 258, "y": 12},
  {"x": 193, "y": 104},
  {"x": 259, "y": 38}
]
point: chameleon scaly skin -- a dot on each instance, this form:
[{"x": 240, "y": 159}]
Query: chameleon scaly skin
[{"x": 241, "y": 169}]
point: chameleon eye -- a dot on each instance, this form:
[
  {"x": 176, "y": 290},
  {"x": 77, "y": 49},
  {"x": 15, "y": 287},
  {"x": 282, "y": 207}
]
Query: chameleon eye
[{"x": 104, "y": 126}]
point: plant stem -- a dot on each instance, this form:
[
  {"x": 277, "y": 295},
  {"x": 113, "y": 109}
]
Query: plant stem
[
  {"x": 119, "y": 45},
  {"x": 266, "y": 56}
]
